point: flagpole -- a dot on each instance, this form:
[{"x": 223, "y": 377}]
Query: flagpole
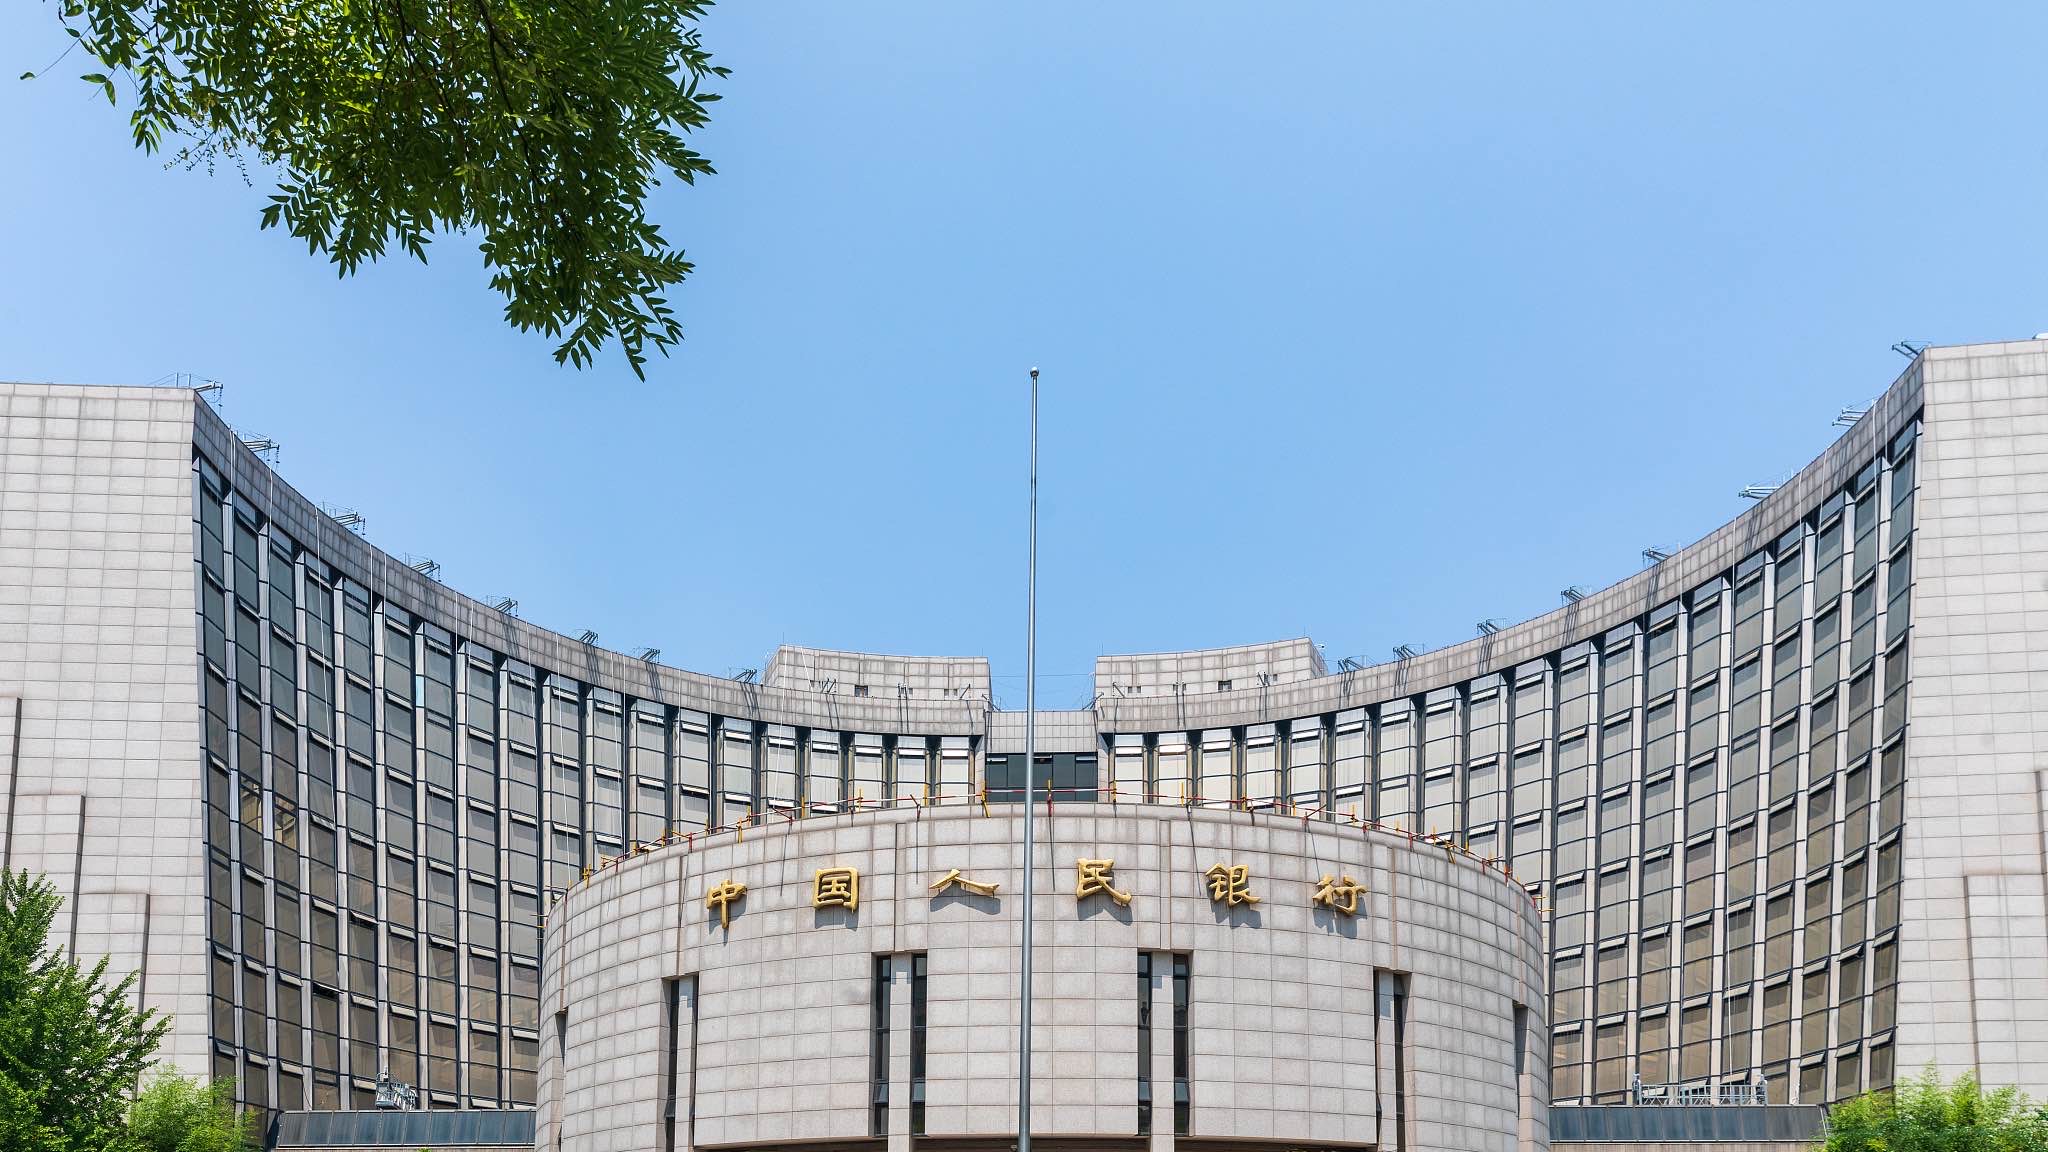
[{"x": 1030, "y": 773}]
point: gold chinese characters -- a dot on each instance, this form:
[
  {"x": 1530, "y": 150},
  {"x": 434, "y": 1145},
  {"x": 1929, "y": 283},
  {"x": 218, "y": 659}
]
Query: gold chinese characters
[
  {"x": 721, "y": 899},
  {"x": 954, "y": 879},
  {"x": 835, "y": 888},
  {"x": 1227, "y": 884},
  {"x": 1092, "y": 876},
  {"x": 1230, "y": 884},
  {"x": 1339, "y": 894}
]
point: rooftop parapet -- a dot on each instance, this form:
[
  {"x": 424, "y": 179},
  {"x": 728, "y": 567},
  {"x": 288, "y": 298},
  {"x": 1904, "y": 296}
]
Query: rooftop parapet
[
  {"x": 1208, "y": 669},
  {"x": 868, "y": 674}
]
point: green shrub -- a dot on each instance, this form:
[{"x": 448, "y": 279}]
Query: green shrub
[{"x": 1926, "y": 1115}]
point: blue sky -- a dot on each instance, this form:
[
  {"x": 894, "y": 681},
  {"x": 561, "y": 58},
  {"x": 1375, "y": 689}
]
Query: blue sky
[{"x": 1362, "y": 322}]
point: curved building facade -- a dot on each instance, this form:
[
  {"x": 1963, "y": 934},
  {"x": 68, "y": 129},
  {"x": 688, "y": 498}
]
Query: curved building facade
[
  {"x": 1776, "y": 794},
  {"x": 1215, "y": 977}
]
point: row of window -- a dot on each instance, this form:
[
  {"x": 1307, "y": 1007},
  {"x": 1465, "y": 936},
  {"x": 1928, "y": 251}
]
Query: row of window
[{"x": 388, "y": 803}]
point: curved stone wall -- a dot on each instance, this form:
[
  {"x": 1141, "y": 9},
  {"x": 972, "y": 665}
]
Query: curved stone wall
[
  {"x": 1700, "y": 769},
  {"x": 764, "y": 1032}
]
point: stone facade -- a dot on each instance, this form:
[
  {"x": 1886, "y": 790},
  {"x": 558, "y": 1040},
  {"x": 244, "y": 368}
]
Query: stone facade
[
  {"x": 1974, "y": 968},
  {"x": 1778, "y": 792},
  {"x": 770, "y": 1040},
  {"x": 99, "y": 715}
]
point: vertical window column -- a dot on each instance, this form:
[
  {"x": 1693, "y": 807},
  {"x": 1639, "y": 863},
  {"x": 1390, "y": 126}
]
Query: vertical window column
[
  {"x": 897, "y": 1045},
  {"x": 1145, "y": 993},
  {"x": 878, "y": 1047},
  {"x": 1183, "y": 1105},
  {"x": 1163, "y": 1040},
  {"x": 1390, "y": 1033},
  {"x": 918, "y": 1019},
  {"x": 1525, "y": 1100},
  {"x": 678, "y": 1062}
]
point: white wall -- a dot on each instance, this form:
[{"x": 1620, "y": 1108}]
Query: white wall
[
  {"x": 99, "y": 709},
  {"x": 1282, "y": 1024},
  {"x": 1973, "y": 979}
]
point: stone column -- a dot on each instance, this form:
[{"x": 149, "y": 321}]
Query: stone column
[{"x": 1389, "y": 1000}]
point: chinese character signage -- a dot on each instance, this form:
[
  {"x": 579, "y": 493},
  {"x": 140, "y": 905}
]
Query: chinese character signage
[
  {"x": 1338, "y": 894},
  {"x": 835, "y": 888},
  {"x": 954, "y": 879},
  {"x": 1227, "y": 884},
  {"x": 1230, "y": 884},
  {"x": 721, "y": 898},
  {"x": 1092, "y": 876}
]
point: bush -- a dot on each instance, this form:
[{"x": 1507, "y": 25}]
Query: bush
[
  {"x": 178, "y": 1114},
  {"x": 1926, "y": 1115}
]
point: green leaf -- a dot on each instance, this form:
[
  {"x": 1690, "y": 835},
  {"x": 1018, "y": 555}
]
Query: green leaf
[
  {"x": 540, "y": 129},
  {"x": 69, "y": 1085}
]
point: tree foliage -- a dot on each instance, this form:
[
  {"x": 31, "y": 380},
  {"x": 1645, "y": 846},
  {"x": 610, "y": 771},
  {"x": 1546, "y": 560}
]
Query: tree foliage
[
  {"x": 178, "y": 1114},
  {"x": 1926, "y": 1115},
  {"x": 71, "y": 1044},
  {"x": 542, "y": 126}
]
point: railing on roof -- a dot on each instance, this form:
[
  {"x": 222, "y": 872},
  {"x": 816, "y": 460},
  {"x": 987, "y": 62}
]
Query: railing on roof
[
  {"x": 1696, "y": 1094},
  {"x": 1798, "y": 1125}
]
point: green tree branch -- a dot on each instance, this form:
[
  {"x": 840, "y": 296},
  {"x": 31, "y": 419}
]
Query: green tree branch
[{"x": 541, "y": 127}]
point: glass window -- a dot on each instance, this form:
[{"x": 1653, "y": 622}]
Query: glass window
[
  {"x": 693, "y": 769},
  {"x": 1703, "y": 644},
  {"x": 1617, "y": 830},
  {"x": 779, "y": 772},
  {"x": 1742, "y": 862},
  {"x": 1305, "y": 782},
  {"x": 1574, "y": 778},
  {"x": 1531, "y": 719},
  {"x": 1657, "y": 885},
  {"x": 1572, "y": 834},
  {"x": 1788, "y": 578},
  {"x": 1749, "y": 615},
  {"x": 1740, "y": 947},
  {"x": 1262, "y": 786},
  {"x": 1485, "y": 736},
  {"x": 736, "y": 769},
  {"x": 1574, "y": 695},
  {"x": 956, "y": 769},
  {"x": 480, "y": 691},
  {"x": 1216, "y": 782},
  {"x": 1617, "y": 682},
  {"x": 1350, "y": 773},
  {"x": 1394, "y": 773}
]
